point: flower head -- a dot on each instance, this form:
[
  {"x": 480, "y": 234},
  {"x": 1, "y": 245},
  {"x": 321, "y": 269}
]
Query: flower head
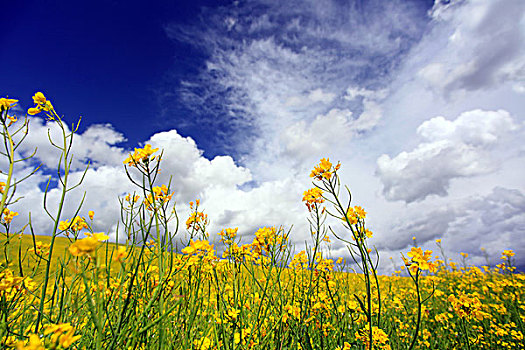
[
  {"x": 420, "y": 260},
  {"x": 6, "y": 103},
  {"x": 140, "y": 155},
  {"x": 312, "y": 197},
  {"x": 324, "y": 170},
  {"x": 8, "y": 215},
  {"x": 42, "y": 104}
]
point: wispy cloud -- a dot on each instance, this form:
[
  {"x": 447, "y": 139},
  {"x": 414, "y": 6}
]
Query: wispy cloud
[{"x": 272, "y": 64}]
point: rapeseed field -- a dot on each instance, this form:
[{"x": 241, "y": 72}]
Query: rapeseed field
[{"x": 75, "y": 290}]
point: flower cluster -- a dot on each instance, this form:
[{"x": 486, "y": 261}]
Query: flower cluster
[
  {"x": 324, "y": 170},
  {"x": 9, "y": 281},
  {"x": 197, "y": 221},
  {"x": 159, "y": 197},
  {"x": 5, "y": 105},
  {"x": 353, "y": 215},
  {"x": 228, "y": 235},
  {"x": 8, "y": 216},
  {"x": 40, "y": 248},
  {"x": 76, "y": 224},
  {"x": 312, "y": 197},
  {"x": 467, "y": 306},
  {"x": 420, "y": 260},
  {"x": 41, "y": 104},
  {"x": 507, "y": 254},
  {"x": 380, "y": 338},
  {"x": 266, "y": 238},
  {"x": 140, "y": 155},
  {"x": 62, "y": 334}
]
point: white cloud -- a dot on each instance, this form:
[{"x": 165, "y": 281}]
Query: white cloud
[
  {"x": 450, "y": 149},
  {"x": 485, "y": 48},
  {"x": 291, "y": 84}
]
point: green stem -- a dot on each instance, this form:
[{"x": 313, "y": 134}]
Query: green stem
[{"x": 414, "y": 338}]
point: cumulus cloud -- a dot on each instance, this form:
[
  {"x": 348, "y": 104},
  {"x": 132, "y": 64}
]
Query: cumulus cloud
[
  {"x": 105, "y": 181},
  {"x": 96, "y": 145},
  {"x": 449, "y": 149}
]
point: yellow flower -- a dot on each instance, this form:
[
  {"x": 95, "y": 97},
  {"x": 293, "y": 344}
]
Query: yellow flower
[
  {"x": 121, "y": 254},
  {"x": 228, "y": 235},
  {"x": 198, "y": 247},
  {"x": 140, "y": 155},
  {"x": 12, "y": 118},
  {"x": 467, "y": 306},
  {"x": 83, "y": 246},
  {"x": 359, "y": 212},
  {"x": 34, "y": 343},
  {"x": 379, "y": 337},
  {"x": 203, "y": 343},
  {"x": 39, "y": 98},
  {"x": 324, "y": 169},
  {"x": 91, "y": 214},
  {"x": 6, "y": 103},
  {"x": 420, "y": 260},
  {"x": 41, "y": 104},
  {"x": 77, "y": 224},
  {"x": 62, "y": 333},
  {"x": 34, "y": 110},
  {"x": 312, "y": 197},
  {"x": 8, "y": 215},
  {"x": 67, "y": 339}
]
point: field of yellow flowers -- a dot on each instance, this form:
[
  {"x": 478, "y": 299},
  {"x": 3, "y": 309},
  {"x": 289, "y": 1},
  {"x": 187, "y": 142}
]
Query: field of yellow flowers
[{"x": 75, "y": 290}]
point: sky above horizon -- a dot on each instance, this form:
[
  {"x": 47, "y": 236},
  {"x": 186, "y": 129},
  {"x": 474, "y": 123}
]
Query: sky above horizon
[{"x": 422, "y": 103}]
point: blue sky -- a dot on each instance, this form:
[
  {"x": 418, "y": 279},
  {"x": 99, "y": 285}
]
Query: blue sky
[
  {"x": 108, "y": 61},
  {"x": 421, "y": 101}
]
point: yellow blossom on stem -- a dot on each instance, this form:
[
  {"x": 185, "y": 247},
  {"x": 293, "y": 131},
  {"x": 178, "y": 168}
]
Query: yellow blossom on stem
[
  {"x": 379, "y": 337},
  {"x": 8, "y": 215},
  {"x": 420, "y": 260},
  {"x": 33, "y": 110},
  {"x": 312, "y": 197},
  {"x": 198, "y": 247},
  {"x": 324, "y": 170},
  {"x": 228, "y": 235},
  {"x": 140, "y": 155},
  {"x": 77, "y": 223},
  {"x": 6, "y": 103},
  {"x": 42, "y": 104}
]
